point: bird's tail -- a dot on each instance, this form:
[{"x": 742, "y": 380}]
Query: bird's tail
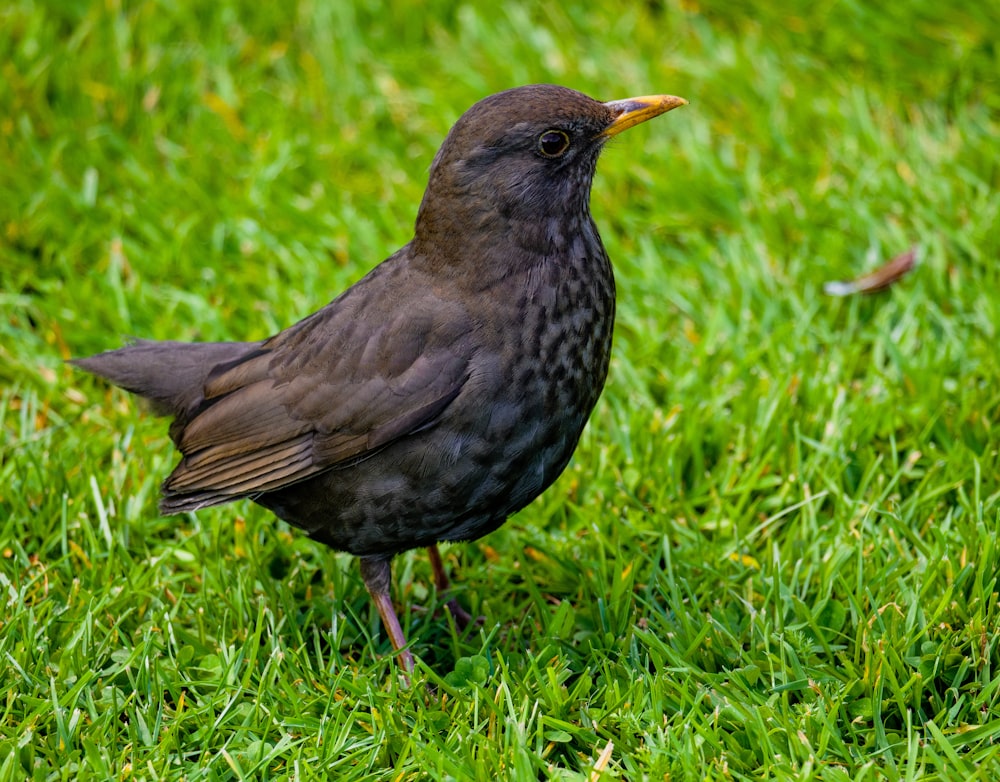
[{"x": 171, "y": 375}]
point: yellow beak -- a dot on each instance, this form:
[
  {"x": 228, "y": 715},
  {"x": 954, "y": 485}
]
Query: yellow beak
[{"x": 631, "y": 111}]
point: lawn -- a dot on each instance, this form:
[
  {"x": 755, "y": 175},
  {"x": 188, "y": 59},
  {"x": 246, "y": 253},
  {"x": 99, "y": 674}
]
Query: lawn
[{"x": 774, "y": 555}]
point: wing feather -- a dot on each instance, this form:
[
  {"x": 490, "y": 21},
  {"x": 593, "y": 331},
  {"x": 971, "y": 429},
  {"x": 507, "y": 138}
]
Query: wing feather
[{"x": 304, "y": 402}]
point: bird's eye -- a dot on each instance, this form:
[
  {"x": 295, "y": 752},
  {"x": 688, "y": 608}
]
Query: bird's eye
[{"x": 552, "y": 143}]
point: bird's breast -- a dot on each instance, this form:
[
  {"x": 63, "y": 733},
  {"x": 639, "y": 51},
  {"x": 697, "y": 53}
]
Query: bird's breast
[{"x": 544, "y": 371}]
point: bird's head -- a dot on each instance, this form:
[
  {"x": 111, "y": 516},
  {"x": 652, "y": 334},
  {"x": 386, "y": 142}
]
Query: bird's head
[{"x": 525, "y": 159}]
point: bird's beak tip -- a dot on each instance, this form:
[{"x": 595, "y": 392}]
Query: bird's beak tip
[{"x": 629, "y": 112}]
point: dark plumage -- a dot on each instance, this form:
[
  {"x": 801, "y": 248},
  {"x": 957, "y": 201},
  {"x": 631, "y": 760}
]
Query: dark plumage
[{"x": 443, "y": 391}]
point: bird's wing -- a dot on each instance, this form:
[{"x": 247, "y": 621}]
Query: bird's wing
[{"x": 329, "y": 391}]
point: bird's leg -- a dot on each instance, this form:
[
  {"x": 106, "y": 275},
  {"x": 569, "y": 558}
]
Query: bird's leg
[
  {"x": 462, "y": 617},
  {"x": 377, "y": 575}
]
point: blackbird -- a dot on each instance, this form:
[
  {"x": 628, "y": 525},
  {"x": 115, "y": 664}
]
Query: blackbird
[{"x": 443, "y": 391}]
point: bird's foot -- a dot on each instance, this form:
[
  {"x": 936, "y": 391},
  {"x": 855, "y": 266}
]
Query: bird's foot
[{"x": 463, "y": 619}]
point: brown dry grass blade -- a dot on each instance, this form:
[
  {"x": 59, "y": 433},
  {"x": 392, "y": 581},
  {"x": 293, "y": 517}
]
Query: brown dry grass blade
[{"x": 878, "y": 280}]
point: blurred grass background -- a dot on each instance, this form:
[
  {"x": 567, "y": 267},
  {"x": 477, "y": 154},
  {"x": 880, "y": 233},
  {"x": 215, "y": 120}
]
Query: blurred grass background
[{"x": 774, "y": 555}]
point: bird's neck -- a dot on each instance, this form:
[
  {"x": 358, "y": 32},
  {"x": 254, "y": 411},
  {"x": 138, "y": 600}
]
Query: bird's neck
[{"x": 470, "y": 234}]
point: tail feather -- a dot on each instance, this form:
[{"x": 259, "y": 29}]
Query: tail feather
[{"x": 171, "y": 375}]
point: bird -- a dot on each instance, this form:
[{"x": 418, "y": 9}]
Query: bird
[{"x": 444, "y": 390}]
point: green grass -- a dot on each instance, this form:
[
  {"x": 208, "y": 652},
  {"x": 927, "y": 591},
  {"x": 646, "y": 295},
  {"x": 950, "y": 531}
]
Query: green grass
[{"x": 774, "y": 555}]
